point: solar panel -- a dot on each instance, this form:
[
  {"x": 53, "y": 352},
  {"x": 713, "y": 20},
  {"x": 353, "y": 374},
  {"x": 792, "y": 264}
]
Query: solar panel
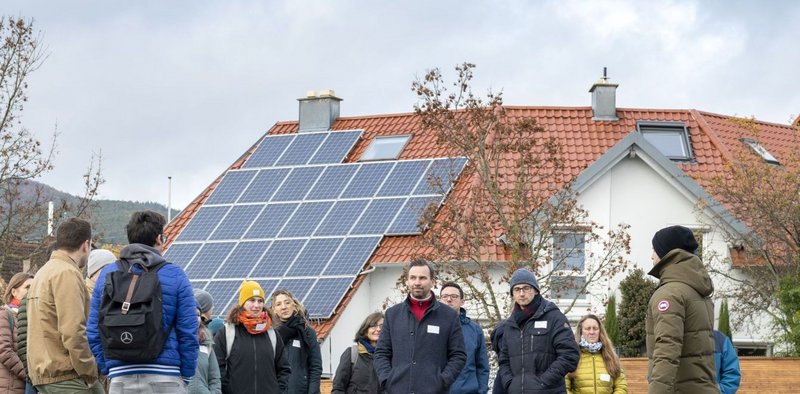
[
  {"x": 314, "y": 257},
  {"x": 352, "y": 255},
  {"x": 225, "y": 294},
  {"x": 301, "y": 149},
  {"x": 298, "y": 287},
  {"x": 305, "y": 219},
  {"x": 332, "y": 181},
  {"x": 279, "y": 256},
  {"x": 264, "y": 185},
  {"x": 367, "y": 180},
  {"x": 378, "y": 216},
  {"x": 341, "y": 218},
  {"x": 181, "y": 254},
  {"x": 236, "y": 222},
  {"x": 208, "y": 259},
  {"x": 202, "y": 224},
  {"x": 268, "y": 151},
  {"x": 297, "y": 184},
  {"x": 323, "y": 306},
  {"x": 242, "y": 260},
  {"x": 296, "y": 217},
  {"x": 404, "y": 177},
  {"x": 198, "y": 284},
  {"x": 230, "y": 187},
  {"x": 271, "y": 220},
  {"x": 440, "y": 176},
  {"x": 335, "y": 147},
  {"x": 407, "y": 221},
  {"x": 269, "y": 286}
]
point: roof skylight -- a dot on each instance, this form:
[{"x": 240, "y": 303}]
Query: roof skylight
[
  {"x": 670, "y": 138},
  {"x": 760, "y": 150},
  {"x": 385, "y": 148}
]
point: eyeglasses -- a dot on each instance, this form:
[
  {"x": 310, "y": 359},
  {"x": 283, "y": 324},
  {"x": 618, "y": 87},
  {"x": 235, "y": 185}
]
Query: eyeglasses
[
  {"x": 450, "y": 296},
  {"x": 522, "y": 289}
]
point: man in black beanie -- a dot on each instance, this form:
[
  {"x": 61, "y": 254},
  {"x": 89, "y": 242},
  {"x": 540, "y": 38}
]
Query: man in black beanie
[{"x": 680, "y": 317}]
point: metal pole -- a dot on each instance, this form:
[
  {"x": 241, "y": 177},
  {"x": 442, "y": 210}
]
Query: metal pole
[
  {"x": 169, "y": 200},
  {"x": 49, "y": 218}
]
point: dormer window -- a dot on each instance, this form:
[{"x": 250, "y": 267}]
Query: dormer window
[
  {"x": 670, "y": 138},
  {"x": 760, "y": 150},
  {"x": 385, "y": 148}
]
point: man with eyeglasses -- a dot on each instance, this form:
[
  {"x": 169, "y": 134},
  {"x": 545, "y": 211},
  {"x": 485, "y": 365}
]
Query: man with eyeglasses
[
  {"x": 421, "y": 347},
  {"x": 538, "y": 347},
  {"x": 59, "y": 359},
  {"x": 474, "y": 377}
]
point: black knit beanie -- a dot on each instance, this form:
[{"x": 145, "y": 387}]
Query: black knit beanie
[{"x": 674, "y": 237}]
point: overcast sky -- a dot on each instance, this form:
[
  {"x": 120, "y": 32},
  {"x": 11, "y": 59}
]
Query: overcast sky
[{"x": 183, "y": 88}]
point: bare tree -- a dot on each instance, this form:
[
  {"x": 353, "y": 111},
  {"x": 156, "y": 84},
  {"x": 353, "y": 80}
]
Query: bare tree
[
  {"x": 23, "y": 158},
  {"x": 514, "y": 200},
  {"x": 766, "y": 197}
]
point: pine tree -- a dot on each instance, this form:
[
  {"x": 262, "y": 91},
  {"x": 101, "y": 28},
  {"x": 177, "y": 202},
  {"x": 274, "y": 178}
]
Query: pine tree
[
  {"x": 724, "y": 325},
  {"x": 636, "y": 291},
  {"x": 612, "y": 326}
]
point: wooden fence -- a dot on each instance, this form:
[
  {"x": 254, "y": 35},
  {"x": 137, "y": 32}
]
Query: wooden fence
[{"x": 759, "y": 375}]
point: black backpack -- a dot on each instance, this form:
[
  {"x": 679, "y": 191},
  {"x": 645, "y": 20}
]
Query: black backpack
[{"x": 131, "y": 314}]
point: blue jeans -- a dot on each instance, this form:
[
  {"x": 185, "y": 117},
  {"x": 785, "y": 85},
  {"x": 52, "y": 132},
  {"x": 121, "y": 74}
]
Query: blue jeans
[
  {"x": 147, "y": 384},
  {"x": 29, "y": 389}
]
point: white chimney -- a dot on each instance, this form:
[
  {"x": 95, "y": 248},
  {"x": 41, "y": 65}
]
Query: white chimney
[{"x": 318, "y": 111}]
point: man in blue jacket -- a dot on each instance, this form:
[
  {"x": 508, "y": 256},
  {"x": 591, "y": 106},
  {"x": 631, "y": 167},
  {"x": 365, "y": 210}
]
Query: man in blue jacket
[
  {"x": 474, "y": 377},
  {"x": 421, "y": 348},
  {"x": 728, "y": 373},
  {"x": 174, "y": 367},
  {"x": 538, "y": 348}
]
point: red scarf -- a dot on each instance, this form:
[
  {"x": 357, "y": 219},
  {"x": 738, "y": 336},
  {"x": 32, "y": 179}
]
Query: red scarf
[
  {"x": 257, "y": 324},
  {"x": 14, "y": 303}
]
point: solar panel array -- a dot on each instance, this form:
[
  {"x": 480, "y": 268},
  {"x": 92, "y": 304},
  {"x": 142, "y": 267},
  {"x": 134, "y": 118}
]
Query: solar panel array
[{"x": 295, "y": 217}]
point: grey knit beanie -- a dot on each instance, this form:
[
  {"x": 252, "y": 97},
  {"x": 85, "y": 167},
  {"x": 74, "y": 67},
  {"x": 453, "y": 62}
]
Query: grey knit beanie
[{"x": 523, "y": 276}]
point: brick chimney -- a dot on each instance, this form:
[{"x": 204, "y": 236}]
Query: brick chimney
[
  {"x": 318, "y": 111},
  {"x": 604, "y": 99}
]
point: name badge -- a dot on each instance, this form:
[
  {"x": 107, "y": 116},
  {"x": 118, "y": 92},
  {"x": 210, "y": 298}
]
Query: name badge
[
  {"x": 296, "y": 343},
  {"x": 605, "y": 377},
  {"x": 260, "y": 326},
  {"x": 540, "y": 324},
  {"x": 433, "y": 329},
  {"x": 204, "y": 349}
]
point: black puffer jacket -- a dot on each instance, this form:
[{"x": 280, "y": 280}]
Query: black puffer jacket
[
  {"x": 535, "y": 358},
  {"x": 356, "y": 378},
  {"x": 252, "y": 367}
]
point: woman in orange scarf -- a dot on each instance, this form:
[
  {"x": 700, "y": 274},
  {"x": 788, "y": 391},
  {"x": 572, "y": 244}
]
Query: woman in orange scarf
[{"x": 250, "y": 354}]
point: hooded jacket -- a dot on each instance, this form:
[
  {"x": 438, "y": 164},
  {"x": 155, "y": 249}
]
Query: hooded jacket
[
  {"x": 474, "y": 377},
  {"x": 679, "y": 324},
  {"x": 729, "y": 375},
  {"x": 422, "y": 356},
  {"x": 535, "y": 358},
  {"x": 178, "y": 356}
]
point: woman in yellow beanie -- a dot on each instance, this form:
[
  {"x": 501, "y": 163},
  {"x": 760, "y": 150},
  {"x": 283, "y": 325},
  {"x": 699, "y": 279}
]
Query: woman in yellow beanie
[{"x": 250, "y": 354}]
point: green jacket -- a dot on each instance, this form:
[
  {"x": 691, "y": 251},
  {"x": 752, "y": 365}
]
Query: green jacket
[
  {"x": 22, "y": 332},
  {"x": 679, "y": 324}
]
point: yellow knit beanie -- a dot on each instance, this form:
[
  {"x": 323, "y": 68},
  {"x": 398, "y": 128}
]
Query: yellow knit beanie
[{"x": 250, "y": 289}]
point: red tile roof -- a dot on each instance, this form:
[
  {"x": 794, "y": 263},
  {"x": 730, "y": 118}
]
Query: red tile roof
[{"x": 714, "y": 139}]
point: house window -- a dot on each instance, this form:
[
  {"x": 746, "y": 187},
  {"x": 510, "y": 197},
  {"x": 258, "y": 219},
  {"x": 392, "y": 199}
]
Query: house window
[
  {"x": 760, "y": 150},
  {"x": 671, "y": 139},
  {"x": 569, "y": 266},
  {"x": 385, "y": 148}
]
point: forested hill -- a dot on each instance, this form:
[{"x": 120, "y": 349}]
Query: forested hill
[{"x": 108, "y": 217}]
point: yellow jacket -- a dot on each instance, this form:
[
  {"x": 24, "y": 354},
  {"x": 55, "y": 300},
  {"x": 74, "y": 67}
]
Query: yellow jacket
[
  {"x": 57, "y": 309},
  {"x": 592, "y": 377}
]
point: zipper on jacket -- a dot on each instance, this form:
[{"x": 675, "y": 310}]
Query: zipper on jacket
[
  {"x": 255, "y": 364},
  {"x": 594, "y": 372},
  {"x": 522, "y": 359}
]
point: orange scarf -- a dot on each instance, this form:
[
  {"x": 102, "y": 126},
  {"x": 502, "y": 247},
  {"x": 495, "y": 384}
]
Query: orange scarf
[{"x": 257, "y": 324}]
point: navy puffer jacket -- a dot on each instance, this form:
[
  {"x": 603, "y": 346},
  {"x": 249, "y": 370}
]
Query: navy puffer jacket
[{"x": 535, "y": 358}]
